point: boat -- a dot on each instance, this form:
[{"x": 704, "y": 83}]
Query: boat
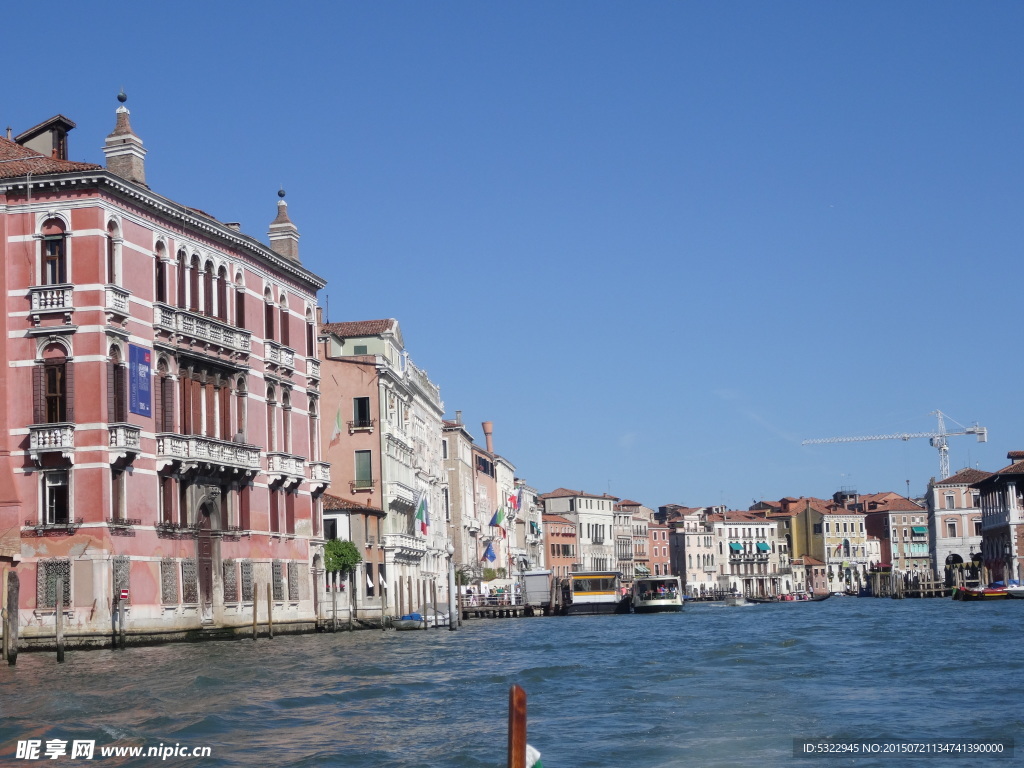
[
  {"x": 409, "y": 621},
  {"x": 803, "y": 598},
  {"x": 1015, "y": 592},
  {"x": 736, "y": 599},
  {"x": 592, "y": 592},
  {"x": 656, "y": 594},
  {"x": 971, "y": 594}
]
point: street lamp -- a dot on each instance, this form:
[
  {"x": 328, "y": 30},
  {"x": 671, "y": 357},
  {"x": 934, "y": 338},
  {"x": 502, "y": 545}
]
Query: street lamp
[{"x": 453, "y": 606}]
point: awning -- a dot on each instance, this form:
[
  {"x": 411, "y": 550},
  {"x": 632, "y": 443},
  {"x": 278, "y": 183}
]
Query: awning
[
  {"x": 642, "y": 570},
  {"x": 735, "y": 547},
  {"x": 919, "y": 529},
  {"x": 762, "y": 547}
]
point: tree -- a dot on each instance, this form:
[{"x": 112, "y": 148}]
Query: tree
[{"x": 340, "y": 556}]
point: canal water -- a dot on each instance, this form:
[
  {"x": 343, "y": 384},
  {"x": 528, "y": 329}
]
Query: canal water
[{"x": 712, "y": 686}]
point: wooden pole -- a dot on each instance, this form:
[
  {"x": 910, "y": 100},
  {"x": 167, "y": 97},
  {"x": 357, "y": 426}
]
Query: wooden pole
[
  {"x": 255, "y": 609},
  {"x": 122, "y": 614},
  {"x": 401, "y": 596},
  {"x": 58, "y": 620},
  {"x": 3, "y": 616},
  {"x": 270, "y": 611},
  {"x": 437, "y": 621},
  {"x": 334, "y": 609},
  {"x": 11, "y": 630},
  {"x": 351, "y": 600},
  {"x": 516, "y": 727},
  {"x": 423, "y": 595}
]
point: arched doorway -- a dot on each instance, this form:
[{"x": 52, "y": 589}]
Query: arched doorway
[{"x": 204, "y": 562}]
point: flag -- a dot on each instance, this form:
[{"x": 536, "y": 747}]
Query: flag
[
  {"x": 489, "y": 555},
  {"x": 499, "y": 517},
  {"x": 513, "y": 500},
  {"x": 520, "y": 498},
  {"x": 336, "y": 432},
  {"x": 423, "y": 513}
]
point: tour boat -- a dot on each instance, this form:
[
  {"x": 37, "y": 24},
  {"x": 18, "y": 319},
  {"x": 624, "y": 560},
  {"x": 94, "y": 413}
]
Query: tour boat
[
  {"x": 656, "y": 594},
  {"x": 791, "y": 598},
  {"x": 736, "y": 599},
  {"x": 591, "y": 592}
]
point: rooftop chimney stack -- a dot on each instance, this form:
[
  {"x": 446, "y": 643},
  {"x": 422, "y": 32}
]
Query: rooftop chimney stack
[
  {"x": 489, "y": 435},
  {"x": 123, "y": 149},
  {"x": 458, "y": 417},
  {"x": 284, "y": 236}
]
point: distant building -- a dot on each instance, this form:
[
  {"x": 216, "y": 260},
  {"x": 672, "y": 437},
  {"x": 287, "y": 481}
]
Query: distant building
[
  {"x": 1002, "y": 520},
  {"x": 954, "y": 521},
  {"x": 659, "y": 557},
  {"x": 901, "y": 526},
  {"x": 561, "y": 544},
  {"x": 593, "y": 515}
]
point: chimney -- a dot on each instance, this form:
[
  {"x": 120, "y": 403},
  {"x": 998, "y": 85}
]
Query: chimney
[
  {"x": 458, "y": 417},
  {"x": 123, "y": 149},
  {"x": 489, "y": 435},
  {"x": 284, "y": 236}
]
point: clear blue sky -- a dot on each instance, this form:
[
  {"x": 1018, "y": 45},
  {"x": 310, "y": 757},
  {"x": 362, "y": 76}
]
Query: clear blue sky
[{"x": 658, "y": 244}]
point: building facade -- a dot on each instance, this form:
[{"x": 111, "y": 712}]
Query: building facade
[
  {"x": 954, "y": 521},
  {"x": 161, "y": 423},
  {"x": 594, "y": 518},
  {"x": 1002, "y": 521}
]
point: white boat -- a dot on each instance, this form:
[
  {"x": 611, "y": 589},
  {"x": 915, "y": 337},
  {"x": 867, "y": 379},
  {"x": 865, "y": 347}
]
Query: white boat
[
  {"x": 409, "y": 621},
  {"x": 591, "y": 592},
  {"x": 656, "y": 594},
  {"x": 736, "y": 598}
]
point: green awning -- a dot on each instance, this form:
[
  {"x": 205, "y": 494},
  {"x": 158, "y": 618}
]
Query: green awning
[
  {"x": 762, "y": 547},
  {"x": 919, "y": 529},
  {"x": 735, "y": 547},
  {"x": 642, "y": 570}
]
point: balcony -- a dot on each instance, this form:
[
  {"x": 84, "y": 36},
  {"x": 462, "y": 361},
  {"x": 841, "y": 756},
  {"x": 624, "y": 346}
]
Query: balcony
[
  {"x": 362, "y": 484},
  {"x": 57, "y": 528},
  {"x": 51, "y": 438},
  {"x": 116, "y": 299},
  {"x": 361, "y": 425},
  {"x": 286, "y": 468},
  {"x": 193, "y": 450},
  {"x": 125, "y": 440},
  {"x": 122, "y": 526},
  {"x": 320, "y": 473},
  {"x": 193, "y": 328},
  {"x": 404, "y": 546},
  {"x": 370, "y": 541},
  {"x": 278, "y": 354},
  {"x": 312, "y": 368},
  {"x": 51, "y": 300}
]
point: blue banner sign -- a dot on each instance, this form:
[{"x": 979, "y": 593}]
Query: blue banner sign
[{"x": 140, "y": 377}]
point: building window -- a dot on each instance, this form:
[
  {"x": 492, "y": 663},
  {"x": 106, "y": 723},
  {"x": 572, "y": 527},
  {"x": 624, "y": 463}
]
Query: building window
[
  {"x": 951, "y": 528},
  {"x": 117, "y": 494},
  {"x": 166, "y": 499},
  {"x": 271, "y": 419},
  {"x": 310, "y": 339},
  {"x": 222, "y": 294},
  {"x": 976, "y": 499},
  {"x": 289, "y": 512},
  {"x": 364, "y": 469},
  {"x": 285, "y": 335},
  {"x": 54, "y": 270},
  {"x": 239, "y": 301},
  {"x": 444, "y": 449},
  {"x": 268, "y": 318},
  {"x": 182, "y": 278},
  {"x": 286, "y": 422},
  {"x": 977, "y": 526},
  {"x": 117, "y": 388},
  {"x": 56, "y": 497},
  {"x": 208, "y": 289},
  {"x": 193, "y": 285},
  {"x": 53, "y": 390},
  {"x": 160, "y": 272},
  {"x": 359, "y": 349},
  {"x": 361, "y": 413},
  {"x": 47, "y": 574},
  {"x": 275, "y": 523},
  {"x": 113, "y": 246},
  {"x": 950, "y": 501}
]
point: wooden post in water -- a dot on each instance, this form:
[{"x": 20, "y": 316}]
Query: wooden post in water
[
  {"x": 351, "y": 600},
  {"x": 122, "y": 614},
  {"x": 270, "y": 610},
  {"x": 3, "y": 615},
  {"x": 401, "y": 596},
  {"x": 516, "y": 727},
  {"x": 11, "y": 628},
  {"x": 437, "y": 620},
  {"x": 423, "y": 594},
  {"x": 334, "y": 609},
  {"x": 58, "y": 620},
  {"x": 255, "y": 608}
]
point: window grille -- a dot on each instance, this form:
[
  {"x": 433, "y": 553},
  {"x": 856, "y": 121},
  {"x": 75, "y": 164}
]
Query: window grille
[
  {"x": 278, "y": 579},
  {"x": 47, "y": 573},
  {"x": 169, "y": 581},
  {"x": 122, "y": 574},
  {"x": 230, "y": 582},
  {"x": 293, "y": 581},
  {"x": 189, "y": 581},
  {"x": 247, "y": 585}
]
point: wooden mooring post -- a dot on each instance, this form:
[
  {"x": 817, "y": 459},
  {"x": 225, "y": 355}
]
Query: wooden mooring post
[
  {"x": 516, "y": 727},
  {"x": 11, "y": 627},
  {"x": 270, "y": 611},
  {"x": 334, "y": 608},
  {"x": 58, "y": 619},
  {"x": 255, "y": 609}
]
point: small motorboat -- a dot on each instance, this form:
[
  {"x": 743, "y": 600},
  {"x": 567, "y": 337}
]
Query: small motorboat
[
  {"x": 970, "y": 594},
  {"x": 409, "y": 621}
]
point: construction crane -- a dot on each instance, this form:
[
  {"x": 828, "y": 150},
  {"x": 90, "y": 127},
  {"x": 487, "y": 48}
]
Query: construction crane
[{"x": 937, "y": 439}]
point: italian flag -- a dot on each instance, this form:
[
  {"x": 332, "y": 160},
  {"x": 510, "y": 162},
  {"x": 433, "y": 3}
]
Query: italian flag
[
  {"x": 336, "y": 432},
  {"x": 423, "y": 513}
]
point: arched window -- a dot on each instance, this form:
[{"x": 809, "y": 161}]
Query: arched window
[
  {"x": 284, "y": 321},
  {"x": 53, "y": 387},
  {"x": 268, "y": 316},
  {"x": 113, "y": 246},
  {"x": 193, "y": 285},
  {"x": 224, "y": 408},
  {"x": 310, "y": 336},
  {"x": 165, "y": 399},
  {"x": 208, "y": 289},
  {"x": 222, "y": 294},
  {"x": 271, "y": 419},
  {"x": 117, "y": 387},
  {"x": 286, "y": 421},
  {"x": 313, "y": 423},
  {"x": 239, "y": 301},
  {"x": 160, "y": 269},
  {"x": 182, "y": 279},
  {"x": 54, "y": 263},
  {"x": 242, "y": 401}
]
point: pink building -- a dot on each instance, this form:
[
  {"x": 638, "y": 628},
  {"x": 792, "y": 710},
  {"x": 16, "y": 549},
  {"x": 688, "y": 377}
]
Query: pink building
[
  {"x": 659, "y": 559},
  {"x": 160, "y": 421}
]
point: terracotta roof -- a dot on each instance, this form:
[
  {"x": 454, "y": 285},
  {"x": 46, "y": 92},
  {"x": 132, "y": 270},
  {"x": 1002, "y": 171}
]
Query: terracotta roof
[
  {"x": 16, "y": 160},
  {"x": 889, "y": 502},
  {"x": 1017, "y": 468},
  {"x": 1015, "y": 455},
  {"x": 808, "y": 560},
  {"x": 337, "y": 504},
  {"x": 557, "y": 519},
  {"x": 628, "y": 503},
  {"x": 359, "y": 328},
  {"x": 965, "y": 477}
]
